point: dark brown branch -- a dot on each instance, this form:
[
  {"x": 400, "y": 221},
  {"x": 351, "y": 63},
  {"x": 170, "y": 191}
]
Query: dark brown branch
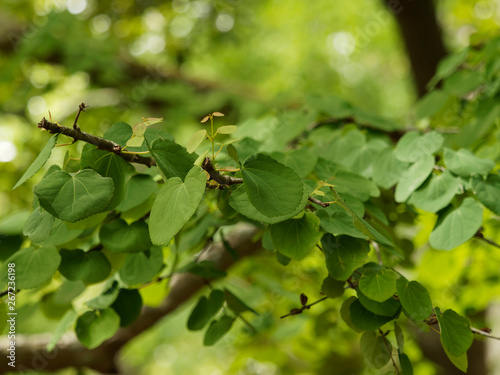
[
  {"x": 217, "y": 177},
  {"x": 30, "y": 350},
  {"x": 298, "y": 311},
  {"x": 318, "y": 202}
]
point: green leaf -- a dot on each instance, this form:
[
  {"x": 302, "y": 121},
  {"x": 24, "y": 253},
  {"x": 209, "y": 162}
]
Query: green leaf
[
  {"x": 413, "y": 177},
  {"x": 301, "y": 161},
  {"x": 38, "y": 225},
  {"x": 73, "y": 197},
  {"x": 138, "y": 190},
  {"x": 135, "y": 141},
  {"x": 339, "y": 222},
  {"x": 400, "y": 338},
  {"x": 205, "y": 269},
  {"x": 389, "y": 307},
  {"x": 404, "y": 361},
  {"x": 231, "y": 151},
  {"x": 332, "y": 288},
  {"x": 95, "y": 327},
  {"x": 172, "y": 159},
  {"x": 196, "y": 140},
  {"x": 91, "y": 267},
  {"x": 121, "y": 132},
  {"x": 412, "y": 146},
  {"x": 343, "y": 254},
  {"x": 431, "y": 103},
  {"x": 415, "y": 299},
  {"x": 64, "y": 325},
  {"x": 456, "y": 335},
  {"x": 488, "y": 192},
  {"x": 272, "y": 188},
  {"x": 39, "y": 162},
  {"x": 376, "y": 351},
  {"x": 378, "y": 284},
  {"x": 176, "y": 202},
  {"x": 462, "y": 82},
  {"x": 235, "y": 304},
  {"x": 457, "y": 225},
  {"x": 464, "y": 163},
  {"x": 227, "y": 129},
  {"x": 364, "y": 319},
  {"x": 436, "y": 193},
  {"x": 108, "y": 164},
  {"x": 217, "y": 329},
  {"x": 345, "y": 313},
  {"x": 296, "y": 238},
  {"x": 460, "y": 361},
  {"x": 119, "y": 237},
  {"x": 34, "y": 266},
  {"x": 205, "y": 309},
  {"x": 388, "y": 169},
  {"x": 140, "y": 268},
  {"x": 373, "y": 234},
  {"x": 128, "y": 306},
  {"x": 239, "y": 201},
  {"x": 106, "y": 298}
]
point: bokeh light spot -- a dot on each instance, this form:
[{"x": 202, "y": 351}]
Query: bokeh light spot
[{"x": 8, "y": 151}]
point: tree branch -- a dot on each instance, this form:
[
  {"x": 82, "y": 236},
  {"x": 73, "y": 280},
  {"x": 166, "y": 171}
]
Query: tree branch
[{"x": 32, "y": 355}]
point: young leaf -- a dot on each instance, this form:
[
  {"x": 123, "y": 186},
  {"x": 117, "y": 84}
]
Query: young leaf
[
  {"x": 457, "y": 225},
  {"x": 34, "y": 266},
  {"x": 378, "y": 284},
  {"x": 376, "y": 351},
  {"x": 456, "y": 335},
  {"x": 94, "y": 327},
  {"x": 217, "y": 329},
  {"x": 176, "y": 202},
  {"x": 227, "y": 129},
  {"x": 172, "y": 159},
  {"x": 39, "y": 162},
  {"x": 119, "y": 237},
  {"x": 218, "y": 114},
  {"x": 140, "y": 268},
  {"x": 90, "y": 267},
  {"x": 343, "y": 254},
  {"x": 196, "y": 140},
  {"x": 73, "y": 197},
  {"x": 295, "y": 238},
  {"x": 272, "y": 188},
  {"x": 205, "y": 309},
  {"x": 415, "y": 299},
  {"x": 136, "y": 141}
]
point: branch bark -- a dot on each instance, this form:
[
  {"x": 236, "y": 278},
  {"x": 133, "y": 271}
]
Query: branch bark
[
  {"x": 32, "y": 355},
  {"x": 422, "y": 37}
]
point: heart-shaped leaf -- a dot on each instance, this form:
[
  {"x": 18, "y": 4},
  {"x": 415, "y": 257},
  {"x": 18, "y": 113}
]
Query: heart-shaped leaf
[
  {"x": 176, "y": 202},
  {"x": 272, "y": 188},
  {"x": 172, "y": 159},
  {"x": 90, "y": 267},
  {"x": 94, "y": 327},
  {"x": 343, "y": 254},
  {"x": 119, "y": 237},
  {"x": 73, "y": 197},
  {"x": 456, "y": 335},
  {"x": 140, "y": 268},
  {"x": 457, "y": 225}
]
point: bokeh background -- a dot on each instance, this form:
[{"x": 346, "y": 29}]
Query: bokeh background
[{"x": 180, "y": 60}]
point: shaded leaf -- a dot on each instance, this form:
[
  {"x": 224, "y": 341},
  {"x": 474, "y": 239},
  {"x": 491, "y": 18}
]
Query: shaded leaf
[
  {"x": 343, "y": 254},
  {"x": 94, "y": 327}
]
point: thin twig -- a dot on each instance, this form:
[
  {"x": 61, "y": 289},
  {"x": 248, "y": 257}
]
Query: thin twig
[
  {"x": 81, "y": 108},
  {"x": 484, "y": 333},
  {"x": 389, "y": 350},
  {"x": 297, "y": 311},
  {"x": 223, "y": 180},
  {"x": 491, "y": 242},
  {"x": 318, "y": 202}
]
